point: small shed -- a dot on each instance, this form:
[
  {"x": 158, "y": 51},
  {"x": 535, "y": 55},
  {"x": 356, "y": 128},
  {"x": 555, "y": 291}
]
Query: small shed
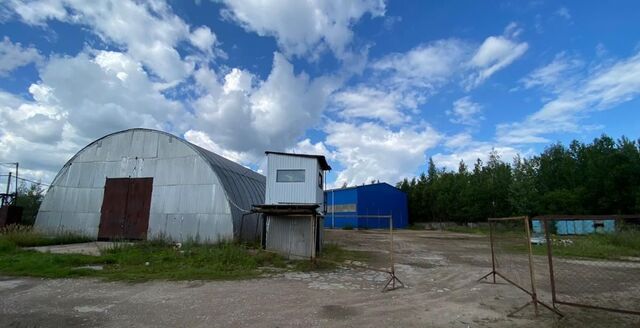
[
  {"x": 358, "y": 206},
  {"x": 294, "y": 204},
  {"x": 577, "y": 227}
]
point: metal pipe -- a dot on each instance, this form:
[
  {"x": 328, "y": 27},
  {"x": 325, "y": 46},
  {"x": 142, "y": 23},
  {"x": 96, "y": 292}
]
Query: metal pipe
[
  {"x": 595, "y": 307},
  {"x": 493, "y": 256},
  {"x": 393, "y": 266},
  {"x": 15, "y": 199},
  {"x": 552, "y": 277},
  {"x": 531, "y": 270}
]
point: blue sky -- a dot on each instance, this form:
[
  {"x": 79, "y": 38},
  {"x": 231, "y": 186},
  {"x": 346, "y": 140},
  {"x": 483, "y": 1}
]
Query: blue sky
[{"x": 378, "y": 87}]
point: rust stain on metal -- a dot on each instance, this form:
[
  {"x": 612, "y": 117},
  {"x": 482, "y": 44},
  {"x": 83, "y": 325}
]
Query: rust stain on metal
[{"x": 125, "y": 208}]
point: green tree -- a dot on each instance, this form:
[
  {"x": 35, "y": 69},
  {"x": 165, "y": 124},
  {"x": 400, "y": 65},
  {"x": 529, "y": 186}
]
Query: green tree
[{"x": 30, "y": 198}]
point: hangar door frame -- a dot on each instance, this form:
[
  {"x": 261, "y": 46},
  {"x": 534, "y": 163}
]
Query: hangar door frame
[{"x": 125, "y": 208}]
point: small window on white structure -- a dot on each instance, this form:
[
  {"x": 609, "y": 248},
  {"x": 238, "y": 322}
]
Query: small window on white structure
[
  {"x": 320, "y": 180},
  {"x": 290, "y": 176}
]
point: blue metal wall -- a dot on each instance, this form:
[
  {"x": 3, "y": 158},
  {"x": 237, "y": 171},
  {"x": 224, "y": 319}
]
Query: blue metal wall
[
  {"x": 373, "y": 199},
  {"x": 341, "y": 219}
]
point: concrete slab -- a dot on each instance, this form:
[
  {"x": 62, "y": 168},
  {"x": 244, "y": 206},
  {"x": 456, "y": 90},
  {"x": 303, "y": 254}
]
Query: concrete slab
[{"x": 91, "y": 248}]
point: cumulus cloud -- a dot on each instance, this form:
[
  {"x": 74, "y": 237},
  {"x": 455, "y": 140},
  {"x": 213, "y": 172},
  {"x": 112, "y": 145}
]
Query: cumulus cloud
[
  {"x": 427, "y": 65},
  {"x": 149, "y": 31},
  {"x": 462, "y": 147},
  {"x": 370, "y": 103},
  {"x": 303, "y": 27},
  {"x": 203, "y": 140},
  {"x": 77, "y": 100},
  {"x": 249, "y": 115},
  {"x": 378, "y": 140},
  {"x": 203, "y": 38},
  {"x": 371, "y": 151},
  {"x": 466, "y": 112},
  {"x": 14, "y": 55},
  {"x": 307, "y": 147},
  {"x": 397, "y": 84},
  {"x": 495, "y": 53},
  {"x": 600, "y": 90}
]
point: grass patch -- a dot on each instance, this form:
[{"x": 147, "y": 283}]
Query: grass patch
[
  {"x": 332, "y": 255},
  {"x": 143, "y": 261},
  {"x": 416, "y": 227},
  {"x": 604, "y": 246},
  {"x": 157, "y": 258},
  {"x": 465, "y": 229},
  {"x": 614, "y": 246},
  {"x": 154, "y": 259},
  {"x": 26, "y": 236}
]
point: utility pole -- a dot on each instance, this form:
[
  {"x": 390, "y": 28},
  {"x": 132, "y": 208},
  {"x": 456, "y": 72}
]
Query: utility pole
[
  {"x": 5, "y": 199},
  {"x": 15, "y": 198}
]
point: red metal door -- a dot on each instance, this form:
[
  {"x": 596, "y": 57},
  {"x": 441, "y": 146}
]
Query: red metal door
[
  {"x": 138, "y": 206},
  {"x": 125, "y": 208},
  {"x": 113, "y": 212}
]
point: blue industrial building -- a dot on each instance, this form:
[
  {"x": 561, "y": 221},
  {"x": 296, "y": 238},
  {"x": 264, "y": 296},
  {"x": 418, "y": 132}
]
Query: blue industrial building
[
  {"x": 577, "y": 227},
  {"x": 348, "y": 207}
]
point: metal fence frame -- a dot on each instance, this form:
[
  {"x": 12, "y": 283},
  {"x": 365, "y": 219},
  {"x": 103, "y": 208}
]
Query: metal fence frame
[
  {"x": 393, "y": 279},
  {"x": 494, "y": 272},
  {"x": 547, "y": 232}
]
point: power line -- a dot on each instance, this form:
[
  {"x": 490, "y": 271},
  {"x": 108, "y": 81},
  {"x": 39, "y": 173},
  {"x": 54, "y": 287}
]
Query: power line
[{"x": 23, "y": 179}]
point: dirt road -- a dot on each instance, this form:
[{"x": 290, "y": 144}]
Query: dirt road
[{"x": 439, "y": 268}]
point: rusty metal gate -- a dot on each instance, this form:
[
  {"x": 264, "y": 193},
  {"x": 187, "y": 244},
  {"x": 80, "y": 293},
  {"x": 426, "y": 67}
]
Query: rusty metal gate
[
  {"x": 602, "y": 280},
  {"x": 125, "y": 208},
  {"x": 512, "y": 258}
]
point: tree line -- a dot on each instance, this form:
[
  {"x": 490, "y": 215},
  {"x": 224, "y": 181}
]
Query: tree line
[{"x": 601, "y": 177}]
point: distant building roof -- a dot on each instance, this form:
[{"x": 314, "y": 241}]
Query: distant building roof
[
  {"x": 364, "y": 186},
  {"x": 321, "y": 159}
]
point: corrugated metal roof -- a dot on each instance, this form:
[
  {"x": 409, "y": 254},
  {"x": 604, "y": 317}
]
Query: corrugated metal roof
[
  {"x": 243, "y": 187},
  {"x": 321, "y": 159}
]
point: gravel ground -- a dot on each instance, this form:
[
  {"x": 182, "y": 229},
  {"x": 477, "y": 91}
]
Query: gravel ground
[{"x": 440, "y": 270}]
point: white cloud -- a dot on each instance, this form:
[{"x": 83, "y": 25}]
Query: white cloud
[
  {"x": 466, "y": 112},
  {"x": 397, "y": 84},
  {"x": 105, "y": 93},
  {"x": 77, "y": 100},
  {"x": 307, "y": 147},
  {"x": 203, "y": 38},
  {"x": 249, "y": 116},
  {"x": 462, "y": 147},
  {"x": 367, "y": 102},
  {"x": 495, "y": 53},
  {"x": 600, "y": 90},
  {"x": 14, "y": 55},
  {"x": 149, "y": 31},
  {"x": 427, "y": 66},
  {"x": 303, "y": 27},
  {"x": 203, "y": 140},
  {"x": 564, "y": 13},
  {"x": 371, "y": 151},
  {"x": 555, "y": 76}
]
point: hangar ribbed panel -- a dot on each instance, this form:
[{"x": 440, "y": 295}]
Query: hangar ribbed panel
[{"x": 196, "y": 193}]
